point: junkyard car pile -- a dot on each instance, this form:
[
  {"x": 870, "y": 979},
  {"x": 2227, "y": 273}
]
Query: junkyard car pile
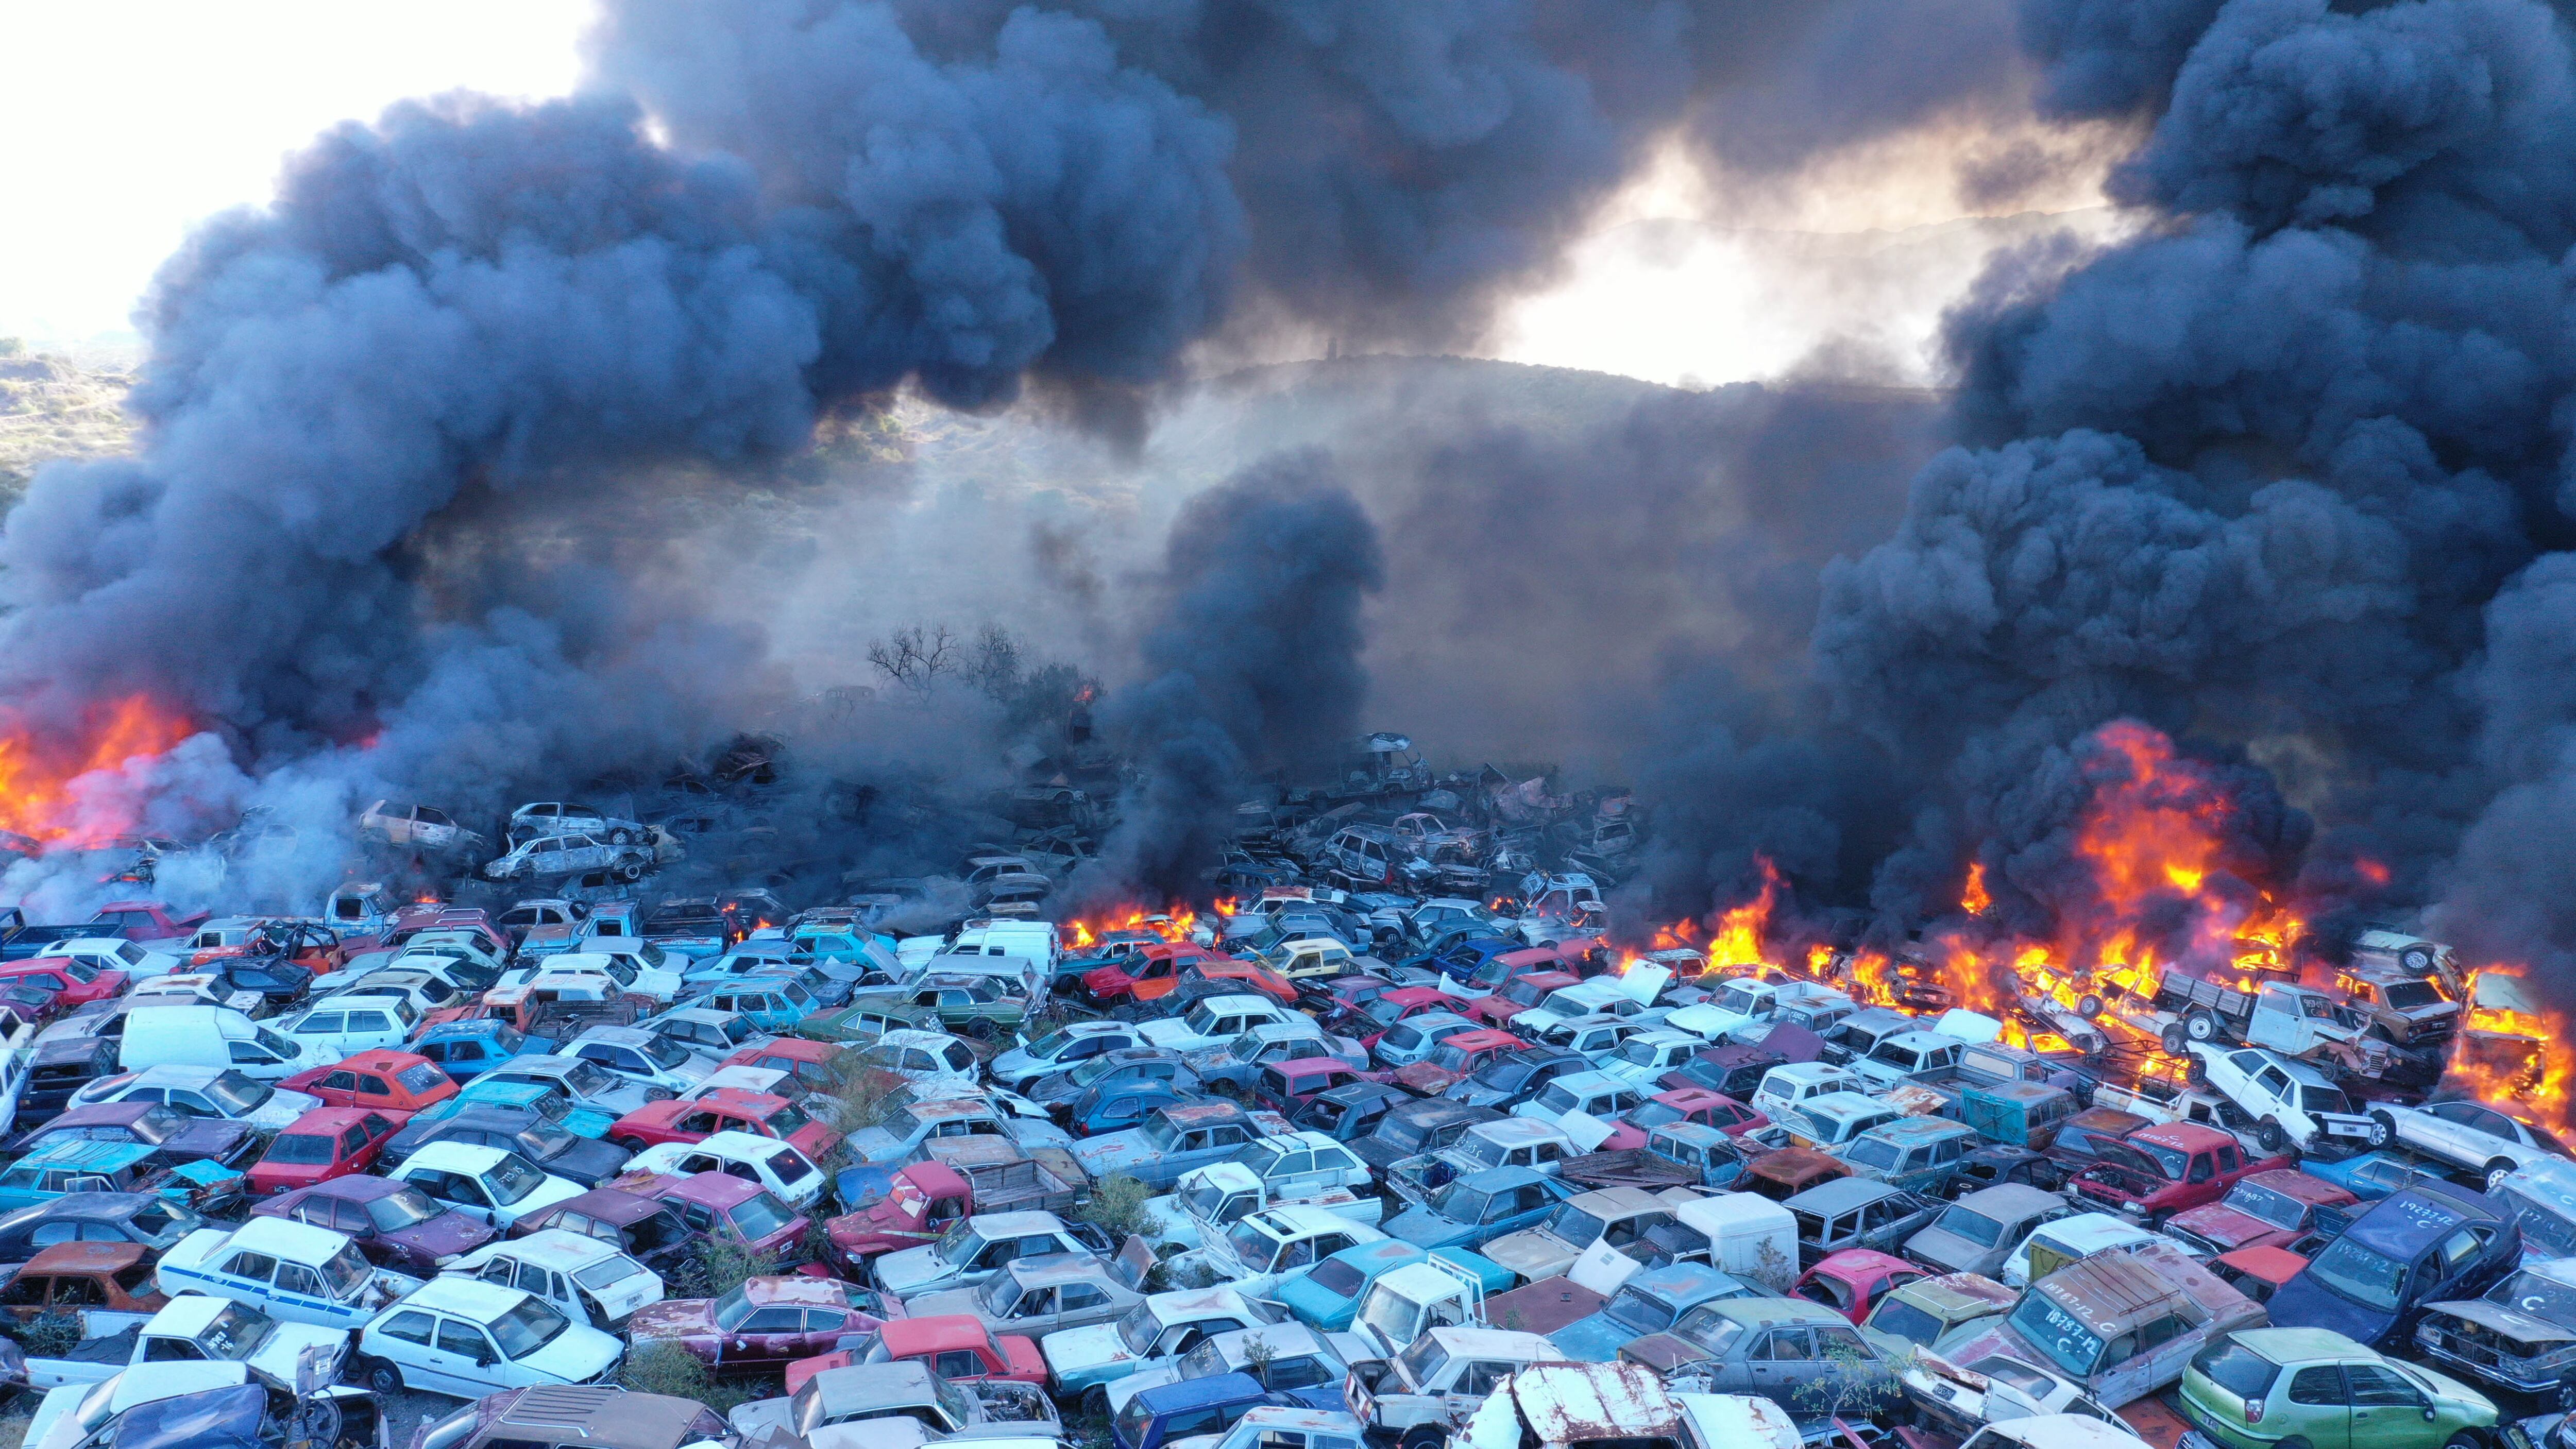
[{"x": 1396, "y": 1148}]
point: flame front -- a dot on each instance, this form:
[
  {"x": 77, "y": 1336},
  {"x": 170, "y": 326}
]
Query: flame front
[
  {"x": 2504, "y": 1055},
  {"x": 41, "y": 794}
]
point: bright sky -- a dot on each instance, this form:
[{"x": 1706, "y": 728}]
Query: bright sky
[{"x": 130, "y": 120}]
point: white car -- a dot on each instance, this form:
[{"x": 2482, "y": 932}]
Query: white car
[
  {"x": 552, "y": 857},
  {"x": 585, "y": 1279},
  {"x": 639, "y": 966},
  {"x": 639, "y": 1056},
  {"x": 203, "y": 1092},
  {"x": 1061, "y": 1050},
  {"x": 775, "y": 1165},
  {"x": 2292, "y": 1103},
  {"x": 110, "y": 953},
  {"x": 922, "y": 1057},
  {"x": 340, "y": 1026},
  {"x": 484, "y": 1183},
  {"x": 293, "y": 1272},
  {"x": 1642, "y": 1060},
  {"x": 469, "y": 1338},
  {"x": 416, "y": 825},
  {"x": 1214, "y": 1021},
  {"x": 2466, "y": 1134},
  {"x": 86, "y": 1414},
  {"x": 194, "y": 1326},
  {"x": 1594, "y": 1094}
]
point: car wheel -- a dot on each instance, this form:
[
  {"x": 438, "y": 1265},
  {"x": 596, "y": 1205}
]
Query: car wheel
[
  {"x": 630, "y": 873},
  {"x": 2200, "y": 1026},
  {"x": 2274, "y": 1140},
  {"x": 2383, "y": 1129},
  {"x": 1424, "y": 1436},
  {"x": 2088, "y": 1006},
  {"x": 2195, "y": 1070},
  {"x": 630, "y": 1144},
  {"x": 2497, "y": 1172},
  {"x": 383, "y": 1378},
  {"x": 621, "y": 837},
  {"x": 2174, "y": 1041},
  {"x": 2467, "y": 1439}
]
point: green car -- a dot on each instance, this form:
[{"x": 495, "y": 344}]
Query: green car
[
  {"x": 2308, "y": 1388},
  {"x": 975, "y": 1006},
  {"x": 863, "y": 1021}
]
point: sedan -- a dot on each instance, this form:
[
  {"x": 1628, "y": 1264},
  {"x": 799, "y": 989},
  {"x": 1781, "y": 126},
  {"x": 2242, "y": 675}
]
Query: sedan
[
  {"x": 761, "y": 1326},
  {"x": 394, "y": 1225},
  {"x": 2466, "y": 1134},
  {"x": 324, "y": 1143},
  {"x": 1035, "y": 1297}
]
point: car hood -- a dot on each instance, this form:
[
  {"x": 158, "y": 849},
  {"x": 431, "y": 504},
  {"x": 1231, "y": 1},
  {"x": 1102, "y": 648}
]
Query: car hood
[
  {"x": 873, "y": 1144},
  {"x": 2507, "y": 1322},
  {"x": 276, "y": 1358},
  {"x": 2302, "y": 1303},
  {"x": 281, "y": 1109},
  {"x": 587, "y": 1160},
  {"x": 2222, "y": 1225},
  {"x": 1424, "y": 1228},
  {"x": 1166, "y": 1033},
  {"x": 449, "y": 1232},
  {"x": 207, "y": 1137},
  {"x": 674, "y": 1318},
  {"x": 1534, "y": 1253},
  {"x": 1103, "y": 1155},
  {"x": 576, "y": 1354},
  {"x": 1094, "y": 1346},
  {"x": 910, "y": 1270},
  {"x": 1017, "y": 1063},
  {"x": 945, "y": 1301},
  {"x": 1945, "y": 1249}
]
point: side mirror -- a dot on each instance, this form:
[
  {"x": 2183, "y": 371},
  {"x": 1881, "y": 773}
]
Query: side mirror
[{"x": 2428, "y": 1413}]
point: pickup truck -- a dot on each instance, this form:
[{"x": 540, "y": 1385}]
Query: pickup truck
[
  {"x": 190, "y": 1328},
  {"x": 1304, "y": 1169},
  {"x": 909, "y": 1206},
  {"x": 18, "y": 940}
]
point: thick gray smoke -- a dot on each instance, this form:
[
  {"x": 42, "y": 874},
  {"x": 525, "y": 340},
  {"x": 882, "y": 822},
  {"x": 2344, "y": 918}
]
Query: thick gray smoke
[{"x": 1252, "y": 664}]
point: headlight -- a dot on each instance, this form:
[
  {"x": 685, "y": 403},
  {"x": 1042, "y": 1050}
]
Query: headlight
[{"x": 445, "y": 1260}]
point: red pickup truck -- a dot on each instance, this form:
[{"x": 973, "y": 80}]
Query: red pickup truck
[
  {"x": 918, "y": 1206},
  {"x": 2158, "y": 1171}
]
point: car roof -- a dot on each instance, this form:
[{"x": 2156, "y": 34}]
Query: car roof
[
  {"x": 465, "y": 1297},
  {"x": 455, "y": 1157},
  {"x": 288, "y": 1239},
  {"x": 2293, "y": 1345},
  {"x": 1840, "y": 1195}
]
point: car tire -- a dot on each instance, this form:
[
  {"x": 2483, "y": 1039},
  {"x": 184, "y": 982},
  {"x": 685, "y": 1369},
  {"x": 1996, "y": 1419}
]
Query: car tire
[
  {"x": 381, "y": 1378},
  {"x": 2269, "y": 1133},
  {"x": 1424, "y": 1436},
  {"x": 630, "y": 873},
  {"x": 2293, "y": 1442},
  {"x": 621, "y": 837},
  {"x": 630, "y": 1145},
  {"x": 2088, "y": 1006},
  {"x": 2467, "y": 1439},
  {"x": 2497, "y": 1171},
  {"x": 2383, "y": 1130},
  {"x": 2200, "y": 1026}
]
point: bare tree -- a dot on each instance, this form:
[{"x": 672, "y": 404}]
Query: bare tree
[
  {"x": 994, "y": 663},
  {"x": 915, "y": 657}
]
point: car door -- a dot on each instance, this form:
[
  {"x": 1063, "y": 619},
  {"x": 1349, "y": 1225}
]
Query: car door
[
  {"x": 465, "y": 1354},
  {"x": 1781, "y": 1361},
  {"x": 2322, "y": 1407},
  {"x": 2387, "y": 1410},
  {"x": 1034, "y": 1315},
  {"x": 410, "y": 1339},
  {"x": 773, "y": 1334}
]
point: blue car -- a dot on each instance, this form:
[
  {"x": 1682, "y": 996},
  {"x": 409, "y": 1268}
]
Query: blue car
[
  {"x": 1185, "y": 1409},
  {"x": 1327, "y": 1296},
  {"x": 2433, "y": 1242},
  {"x": 2372, "y": 1175},
  {"x": 467, "y": 1049},
  {"x": 1471, "y": 1211},
  {"x": 547, "y": 1099},
  {"x": 1651, "y": 1302},
  {"x": 1120, "y": 1105}
]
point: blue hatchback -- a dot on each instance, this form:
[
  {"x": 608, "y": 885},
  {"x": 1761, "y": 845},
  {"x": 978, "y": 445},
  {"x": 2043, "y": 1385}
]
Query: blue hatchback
[
  {"x": 1472, "y": 1211},
  {"x": 1327, "y": 1296},
  {"x": 467, "y": 1049},
  {"x": 1189, "y": 1407}
]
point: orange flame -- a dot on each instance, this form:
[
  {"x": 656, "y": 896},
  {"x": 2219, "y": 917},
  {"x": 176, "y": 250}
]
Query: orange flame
[
  {"x": 1172, "y": 924},
  {"x": 2503, "y": 1057},
  {"x": 39, "y": 791},
  {"x": 1974, "y": 899},
  {"x": 1739, "y": 938}
]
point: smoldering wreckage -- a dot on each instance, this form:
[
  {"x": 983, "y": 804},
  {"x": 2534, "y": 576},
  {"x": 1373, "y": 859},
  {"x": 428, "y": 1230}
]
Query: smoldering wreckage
[{"x": 2096, "y": 978}]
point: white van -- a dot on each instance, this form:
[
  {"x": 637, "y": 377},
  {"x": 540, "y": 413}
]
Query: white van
[
  {"x": 213, "y": 1036},
  {"x": 1741, "y": 1233}
]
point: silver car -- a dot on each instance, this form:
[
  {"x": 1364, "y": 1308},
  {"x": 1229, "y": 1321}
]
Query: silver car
[{"x": 562, "y": 855}]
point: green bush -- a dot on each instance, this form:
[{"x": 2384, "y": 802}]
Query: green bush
[
  {"x": 1117, "y": 1206},
  {"x": 667, "y": 1368},
  {"x": 717, "y": 1266}
]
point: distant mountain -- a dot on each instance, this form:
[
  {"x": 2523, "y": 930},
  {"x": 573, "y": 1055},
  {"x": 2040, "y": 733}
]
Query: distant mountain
[{"x": 52, "y": 407}]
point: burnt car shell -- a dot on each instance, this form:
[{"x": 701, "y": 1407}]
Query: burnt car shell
[
  {"x": 2438, "y": 1242},
  {"x": 2520, "y": 1336}
]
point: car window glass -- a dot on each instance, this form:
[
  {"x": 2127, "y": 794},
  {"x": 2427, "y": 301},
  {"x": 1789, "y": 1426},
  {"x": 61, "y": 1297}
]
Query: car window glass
[
  {"x": 1785, "y": 1343},
  {"x": 464, "y": 1342},
  {"x": 258, "y": 1266},
  {"x": 2374, "y": 1386},
  {"x": 296, "y": 1278},
  {"x": 409, "y": 1327},
  {"x": 2322, "y": 1384}
]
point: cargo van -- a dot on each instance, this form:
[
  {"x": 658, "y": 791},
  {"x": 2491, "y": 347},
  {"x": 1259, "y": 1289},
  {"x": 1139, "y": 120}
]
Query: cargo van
[{"x": 213, "y": 1036}]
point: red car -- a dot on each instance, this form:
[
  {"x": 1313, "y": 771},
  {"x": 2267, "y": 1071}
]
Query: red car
[
  {"x": 1851, "y": 1281},
  {"x": 765, "y": 1324},
  {"x": 811, "y": 1063},
  {"x": 1150, "y": 973},
  {"x": 1681, "y": 1104},
  {"x": 74, "y": 983},
  {"x": 955, "y": 1346},
  {"x": 1284, "y": 1087},
  {"x": 324, "y": 1143},
  {"x": 1395, "y": 1004},
  {"x": 2158, "y": 1171},
  {"x": 1455, "y": 1060},
  {"x": 714, "y": 1204},
  {"x": 382, "y": 1079},
  {"x": 2264, "y": 1210},
  {"x": 144, "y": 921},
  {"x": 1523, "y": 993},
  {"x": 723, "y": 1109}
]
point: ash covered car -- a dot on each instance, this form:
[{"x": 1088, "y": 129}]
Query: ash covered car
[{"x": 554, "y": 857}]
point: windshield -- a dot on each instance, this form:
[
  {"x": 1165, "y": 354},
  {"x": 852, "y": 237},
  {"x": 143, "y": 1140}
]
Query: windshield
[
  {"x": 396, "y": 1211},
  {"x": 543, "y": 1139},
  {"x": 958, "y": 1245},
  {"x": 1556, "y": 1099},
  {"x": 615, "y": 1268},
  {"x": 1202, "y": 1199},
  {"x": 997, "y": 1294},
  {"x": 161, "y": 1224},
  {"x": 1652, "y": 1114},
  {"x": 1338, "y": 1278},
  {"x": 2538, "y": 1296},
  {"x": 2277, "y": 1208},
  {"x": 2408, "y": 995},
  {"x": 732, "y": 1309},
  {"x": 1641, "y": 1051},
  {"x": 2168, "y": 1161},
  {"x": 584, "y": 1080},
  {"x": 663, "y": 1052},
  {"x": 1452, "y": 1058},
  {"x": 1093, "y": 1070},
  {"x": 1252, "y": 1247},
  {"x": 760, "y": 1215},
  {"x": 1478, "y": 1150},
  {"x": 1421, "y": 1364},
  {"x": 1974, "y": 1226},
  {"x": 1905, "y": 1320},
  {"x": 2545, "y": 1230},
  {"x": 1503, "y": 1074},
  {"x": 2323, "y": 1099},
  {"x": 1459, "y": 1203},
  {"x": 1205, "y": 1361},
  {"x": 301, "y": 1149},
  {"x": 530, "y": 1325},
  {"x": 512, "y": 1178},
  {"x": 2056, "y": 1333},
  {"x": 237, "y": 1332},
  {"x": 788, "y": 1120},
  {"x": 1044, "y": 1049},
  {"x": 1201, "y": 1022},
  {"x": 1875, "y": 1152},
  {"x": 1157, "y": 1132},
  {"x": 345, "y": 1271},
  {"x": 2369, "y": 1278},
  {"x": 1577, "y": 1227},
  {"x": 238, "y": 1095},
  {"x": 1138, "y": 1328},
  {"x": 1637, "y": 1309},
  {"x": 1132, "y": 1420}
]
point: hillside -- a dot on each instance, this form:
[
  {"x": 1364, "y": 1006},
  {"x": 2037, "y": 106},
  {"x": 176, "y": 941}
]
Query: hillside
[{"x": 51, "y": 407}]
